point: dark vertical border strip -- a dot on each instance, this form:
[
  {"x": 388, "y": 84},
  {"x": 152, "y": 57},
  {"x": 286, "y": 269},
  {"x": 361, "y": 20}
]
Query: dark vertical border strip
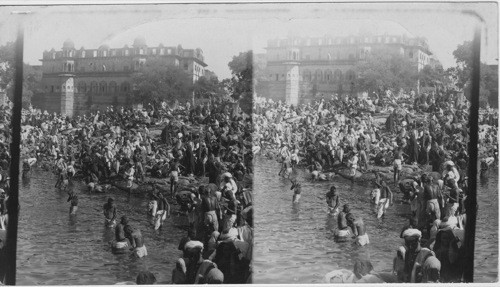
[
  {"x": 471, "y": 205},
  {"x": 13, "y": 202}
]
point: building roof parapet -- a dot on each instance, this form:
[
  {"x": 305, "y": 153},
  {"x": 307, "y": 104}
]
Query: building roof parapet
[{"x": 139, "y": 48}]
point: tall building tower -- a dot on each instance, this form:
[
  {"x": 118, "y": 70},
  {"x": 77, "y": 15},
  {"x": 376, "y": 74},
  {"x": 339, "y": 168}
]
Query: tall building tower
[{"x": 292, "y": 83}]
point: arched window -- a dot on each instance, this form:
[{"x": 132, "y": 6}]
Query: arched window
[
  {"x": 94, "y": 87},
  {"x": 125, "y": 87},
  {"x": 307, "y": 75},
  {"x": 337, "y": 75},
  {"x": 102, "y": 87},
  {"x": 328, "y": 76},
  {"x": 82, "y": 87},
  {"x": 318, "y": 76},
  {"x": 112, "y": 87},
  {"x": 350, "y": 75}
]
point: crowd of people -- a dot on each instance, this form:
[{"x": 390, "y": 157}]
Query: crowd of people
[
  {"x": 428, "y": 132},
  {"x": 173, "y": 149},
  {"x": 217, "y": 141}
]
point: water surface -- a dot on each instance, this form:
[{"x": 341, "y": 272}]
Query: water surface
[
  {"x": 55, "y": 248},
  {"x": 294, "y": 243}
]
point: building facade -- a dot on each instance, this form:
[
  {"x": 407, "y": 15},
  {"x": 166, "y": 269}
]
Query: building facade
[
  {"x": 79, "y": 80},
  {"x": 296, "y": 68}
]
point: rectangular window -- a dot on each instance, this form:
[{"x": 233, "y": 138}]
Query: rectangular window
[
  {"x": 154, "y": 51},
  {"x": 95, "y": 54},
  {"x": 113, "y": 52},
  {"x": 162, "y": 51},
  {"x": 126, "y": 52},
  {"x": 104, "y": 53},
  {"x": 169, "y": 51}
]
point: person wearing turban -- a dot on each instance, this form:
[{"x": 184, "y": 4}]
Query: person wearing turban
[{"x": 412, "y": 242}]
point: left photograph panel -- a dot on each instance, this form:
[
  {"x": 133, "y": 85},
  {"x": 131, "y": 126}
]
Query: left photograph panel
[{"x": 136, "y": 147}]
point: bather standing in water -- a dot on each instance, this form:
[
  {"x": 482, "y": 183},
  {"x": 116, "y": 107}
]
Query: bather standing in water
[
  {"x": 385, "y": 200},
  {"x": 136, "y": 240},
  {"x": 110, "y": 212},
  {"x": 332, "y": 199},
  {"x": 73, "y": 197},
  {"x": 358, "y": 227},
  {"x": 297, "y": 189},
  {"x": 342, "y": 233}
]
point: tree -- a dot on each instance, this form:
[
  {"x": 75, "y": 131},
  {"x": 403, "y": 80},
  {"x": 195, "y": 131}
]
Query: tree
[
  {"x": 260, "y": 79},
  {"x": 31, "y": 83},
  {"x": 7, "y": 66},
  {"x": 433, "y": 76},
  {"x": 207, "y": 86},
  {"x": 381, "y": 71},
  {"x": 31, "y": 76},
  {"x": 462, "y": 75},
  {"x": 157, "y": 81},
  {"x": 241, "y": 83}
]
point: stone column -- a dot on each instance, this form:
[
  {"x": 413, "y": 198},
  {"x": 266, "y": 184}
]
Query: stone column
[
  {"x": 292, "y": 83},
  {"x": 67, "y": 95}
]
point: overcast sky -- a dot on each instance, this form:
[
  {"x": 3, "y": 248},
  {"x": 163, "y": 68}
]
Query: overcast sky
[{"x": 223, "y": 31}]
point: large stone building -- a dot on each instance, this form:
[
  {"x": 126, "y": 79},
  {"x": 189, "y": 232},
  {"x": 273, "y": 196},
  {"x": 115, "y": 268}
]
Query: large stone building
[
  {"x": 78, "y": 80},
  {"x": 296, "y": 68}
]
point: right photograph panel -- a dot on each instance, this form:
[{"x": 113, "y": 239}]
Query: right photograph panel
[{"x": 363, "y": 171}]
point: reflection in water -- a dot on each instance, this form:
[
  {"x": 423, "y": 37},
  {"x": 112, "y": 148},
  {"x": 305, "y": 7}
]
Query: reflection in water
[
  {"x": 294, "y": 243},
  {"x": 57, "y": 248}
]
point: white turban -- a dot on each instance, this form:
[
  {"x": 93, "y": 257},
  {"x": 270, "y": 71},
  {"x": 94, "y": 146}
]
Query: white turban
[
  {"x": 411, "y": 232},
  {"x": 193, "y": 244}
]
